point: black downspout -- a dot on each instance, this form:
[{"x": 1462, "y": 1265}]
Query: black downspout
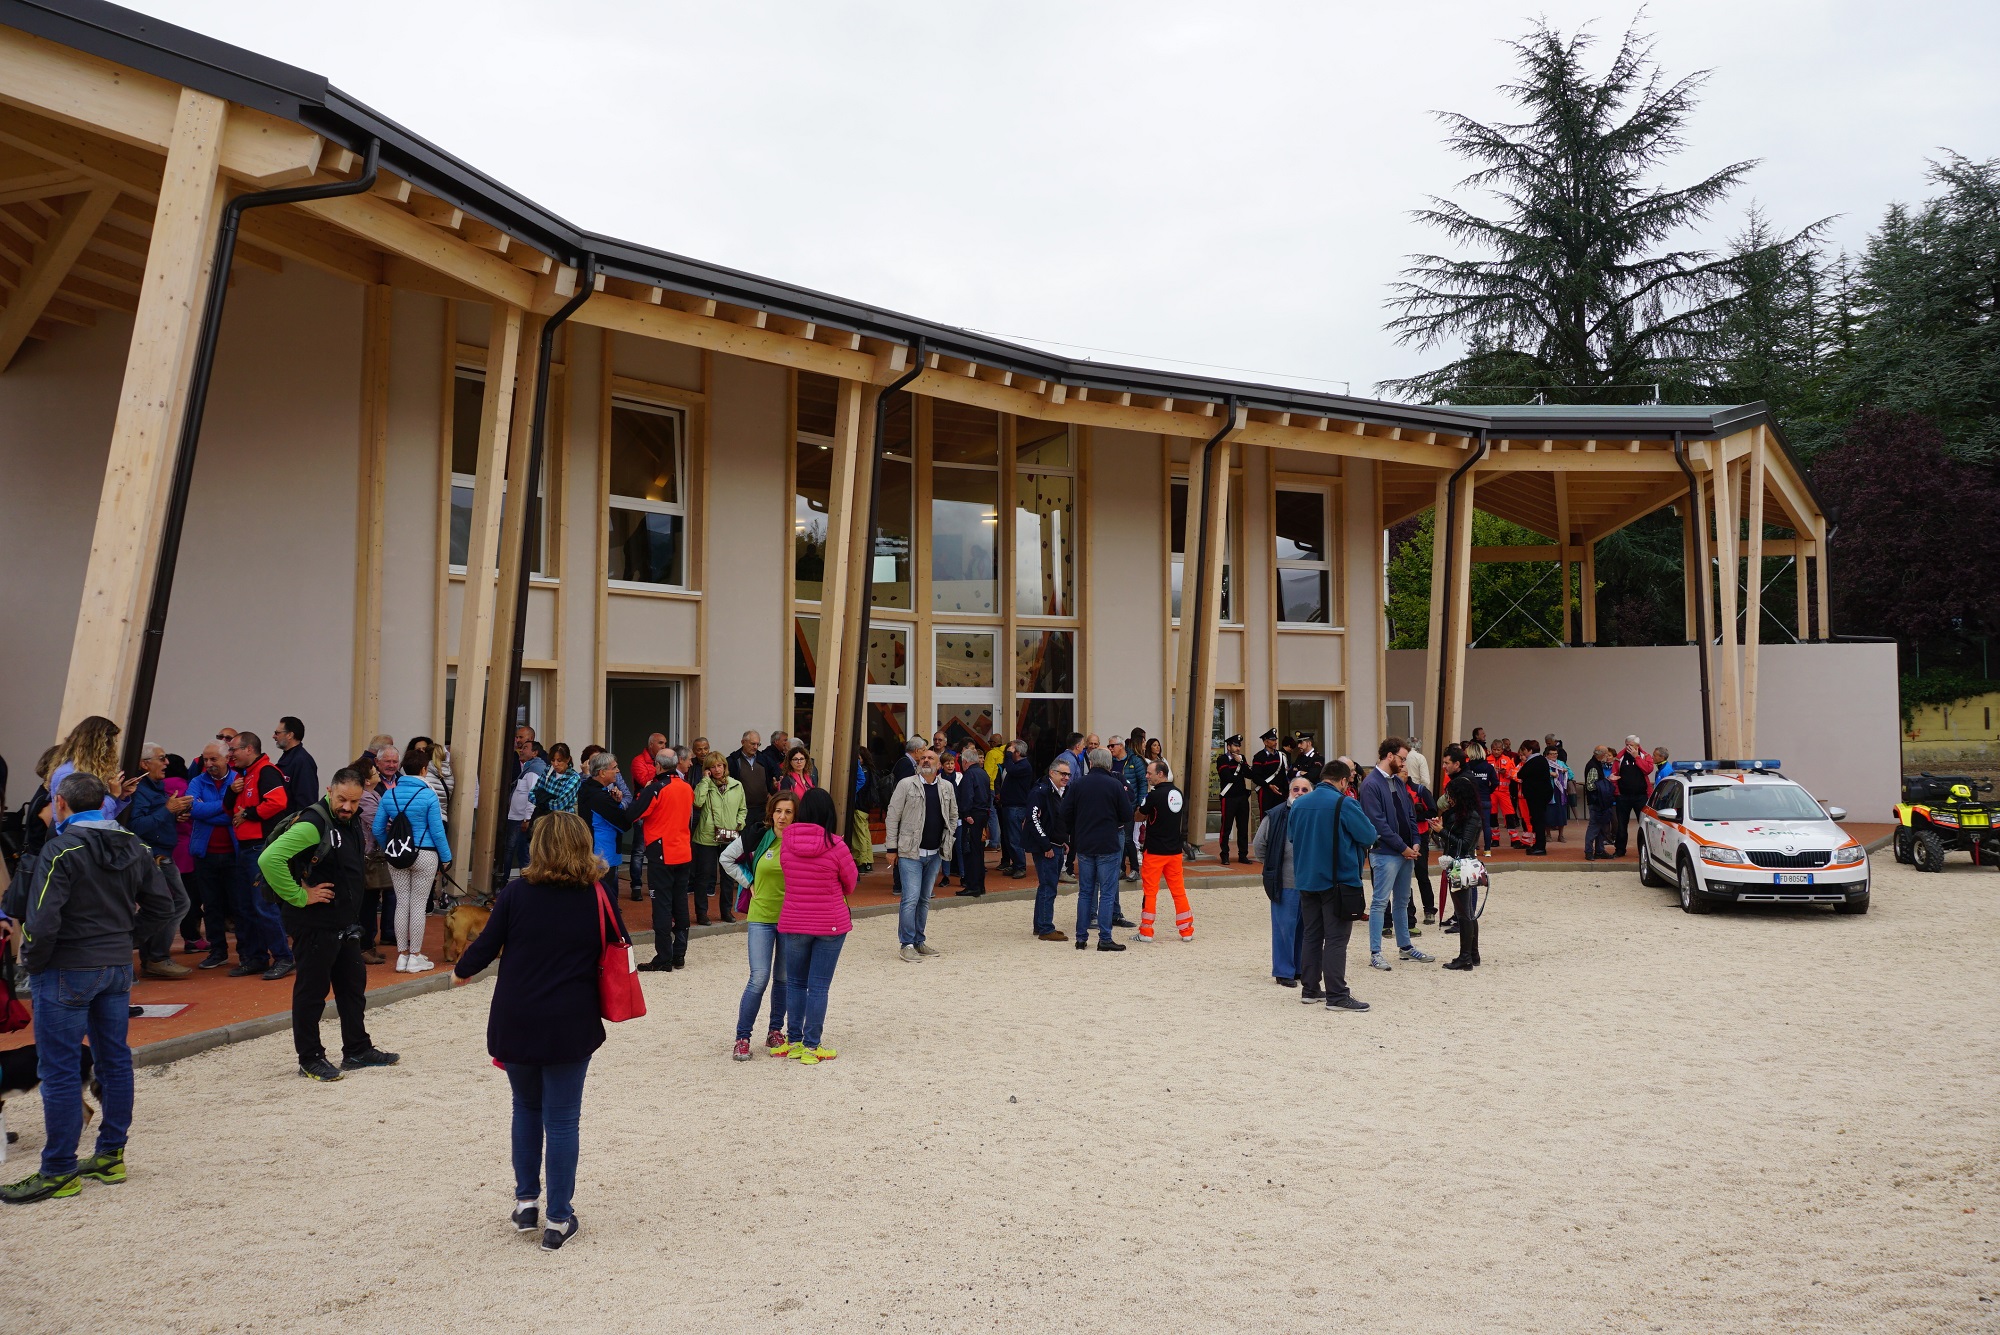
[
  {"x": 859, "y": 713},
  {"x": 1700, "y": 597},
  {"x": 184, "y": 451},
  {"x": 1192, "y": 616},
  {"x": 1447, "y": 535},
  {"x": 586, "y": 281}
]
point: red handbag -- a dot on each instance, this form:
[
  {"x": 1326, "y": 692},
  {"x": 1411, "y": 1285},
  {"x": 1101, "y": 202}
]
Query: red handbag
[
  {"x": 619, "y": 996},
  {"x": 13, "y": 1015}
]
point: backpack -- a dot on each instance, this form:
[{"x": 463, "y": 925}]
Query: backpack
[
  {"x": 399, "y": 840},
  {"x": 301, "y": 872}
]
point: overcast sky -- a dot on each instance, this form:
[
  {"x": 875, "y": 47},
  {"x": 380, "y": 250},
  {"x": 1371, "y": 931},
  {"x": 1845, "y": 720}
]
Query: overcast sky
[{"x": 1224, "y": 184}]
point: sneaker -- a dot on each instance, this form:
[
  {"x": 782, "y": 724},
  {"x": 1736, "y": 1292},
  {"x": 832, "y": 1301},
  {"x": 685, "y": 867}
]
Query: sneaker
[
  {"x": 783, "y": 1049},
  {"x": 1310, "y": 997},
  {"x": 926, "y": 949},
  {"x": 774, "y": 1039},
  {"x": 1347, "y": 1003},
  {"x": 319, "y": 1068},
  {"x": 1377, "y": 962},
  {"x": 361, "y": 1061},
  {"x": 1186, "y": 938},
  {"x": 1429, "y": 917},
  {"x": 39, "y": 1186},
  {"x": 1083, "y": 945},
  {"x": 420, "y": 963},
  {"x": 1415, "y": 956},
  {"x": 213, "y": 961},
  {"x": 1143, "y": 939},
  {"x": 1130, "y": 876},
  {"x": 198, "y": 946},
  {"x": 555, "y": 1235},
  {"x": 282, "y": 969},
  {"x": 910, "y": 955},
  {"x": 741, "y": 1052},
  {"x": 1286, "y": 982},
  {"x": 164, "y": 969},
  {"x": 814, "y": 1056},
  {"x": 1416, "y": 930},
  {"x": 1108, "y": 945},
  {"x": 106, "y": 1166},
  {"x": 524, "y": 1218},
  {"x": 1122, "y": 921},
  {"x": 248, "y": 967},
  {"x": 403, "y": 962}
]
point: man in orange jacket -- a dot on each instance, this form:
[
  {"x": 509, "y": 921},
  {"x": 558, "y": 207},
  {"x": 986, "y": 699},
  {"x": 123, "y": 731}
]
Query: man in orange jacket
[{"x": 664, "y": 828}]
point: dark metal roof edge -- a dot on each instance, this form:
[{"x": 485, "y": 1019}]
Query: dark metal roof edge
[{"x": 139, "y": 41}]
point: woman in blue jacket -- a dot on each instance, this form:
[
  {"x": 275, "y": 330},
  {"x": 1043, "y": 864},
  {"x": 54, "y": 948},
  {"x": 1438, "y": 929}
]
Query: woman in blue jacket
[{"x": 414, "y": 798}]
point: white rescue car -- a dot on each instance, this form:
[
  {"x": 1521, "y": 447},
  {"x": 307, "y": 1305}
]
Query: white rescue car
[{"x": 1739, "y": 832}]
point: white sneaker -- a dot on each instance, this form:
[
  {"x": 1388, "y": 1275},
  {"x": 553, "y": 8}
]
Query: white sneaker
[
  {"x": 402, "y": 963},
  {"x": 926, "y": 949},
  {"x": 910, "y": 955},
  {"x": 421, "y": 964},
  {"x": 1377, "y": 962}
]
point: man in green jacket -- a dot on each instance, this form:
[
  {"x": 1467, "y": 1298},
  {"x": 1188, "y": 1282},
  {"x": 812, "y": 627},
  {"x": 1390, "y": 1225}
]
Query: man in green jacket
[
  {"x": 720, "y": 812},
  {"x": 316, "y": 867}
]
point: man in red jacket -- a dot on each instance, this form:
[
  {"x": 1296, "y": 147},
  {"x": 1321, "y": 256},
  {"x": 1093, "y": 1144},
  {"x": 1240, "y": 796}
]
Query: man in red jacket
[
  {"x": 664, "y": 828},
  {"x": 257, "y": 797}
]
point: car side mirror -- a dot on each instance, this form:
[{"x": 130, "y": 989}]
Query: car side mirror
[
  {"x": 1668, "y": 813},
  {"x": 1836, "y": 813}
]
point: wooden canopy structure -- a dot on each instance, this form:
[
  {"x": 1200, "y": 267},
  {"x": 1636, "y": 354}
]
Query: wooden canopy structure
[{"x": 121, "y": 138}]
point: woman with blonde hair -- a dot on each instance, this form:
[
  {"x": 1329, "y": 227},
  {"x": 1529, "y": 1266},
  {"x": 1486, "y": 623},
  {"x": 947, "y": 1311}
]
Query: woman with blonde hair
[
  {"x": 545, "y": 1022},
  {"x": 92, "y": 746}
]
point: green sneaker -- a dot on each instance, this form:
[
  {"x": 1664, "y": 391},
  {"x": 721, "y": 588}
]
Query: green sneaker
[
  {"x": 39, "y": 1187},
  {"x": 107, "y": 1166}
]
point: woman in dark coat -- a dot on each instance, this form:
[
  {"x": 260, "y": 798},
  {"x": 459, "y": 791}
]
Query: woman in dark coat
[
  {"x": 1461, "y": 834},
  {"x": 550, "y": 925}
]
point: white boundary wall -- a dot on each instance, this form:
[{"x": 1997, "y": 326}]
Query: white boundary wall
[{"x": 1828, "y": 711}]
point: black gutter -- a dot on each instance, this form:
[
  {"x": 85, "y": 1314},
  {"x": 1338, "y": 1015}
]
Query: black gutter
[
  {"x": 184, "y": 450},
  {"x": 1195, "y": 724},
  {"x": 586, "y": 280},
  {"x": 858, "y": 714},
  {"x": 1447, "y": 535},
  {"x": 1700, "y": 596}
]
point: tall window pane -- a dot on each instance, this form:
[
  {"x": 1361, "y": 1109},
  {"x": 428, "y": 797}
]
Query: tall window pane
[
  {"x": 1045, "y": 662},
  {"x": 648, "y": 528},
  {"x": 468, "y": 393},
  {"x": 895, "y": 538},
  {"x": 1045, "y": 545},
  {"x": 1304, "y": 527},
  {"x": 965, "y": 659},
  {"x": 965, "y": 562},
  {"x": 1301, "y": 526},
  {"x": 810, "y": 495},
  {"x": 1044, "y": 724},
  {"x": 1177, "y": 547}
]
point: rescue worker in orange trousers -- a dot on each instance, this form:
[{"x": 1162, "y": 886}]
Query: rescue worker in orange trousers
[{"x": 1164, "y": 813}]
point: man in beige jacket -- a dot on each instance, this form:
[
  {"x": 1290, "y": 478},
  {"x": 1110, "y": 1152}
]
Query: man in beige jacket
[{"x": 923, "y": 814}]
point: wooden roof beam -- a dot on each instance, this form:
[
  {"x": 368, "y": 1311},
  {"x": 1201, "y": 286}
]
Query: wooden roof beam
[
  {"x": 35, "y": 294},
  {"x": 436, "y": 212},
  {"x": 43, "y": 185}
]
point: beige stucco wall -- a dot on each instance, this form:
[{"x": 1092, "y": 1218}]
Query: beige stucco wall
[
  {"x": 410, "y": 516},
  {"x": 748, "y": 543},
  {"x": 1828, "y": 711},
  {"x": 1123, "y": 648}
]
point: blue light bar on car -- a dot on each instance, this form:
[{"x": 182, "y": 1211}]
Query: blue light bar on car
[{"x": 1707, "y": 765}]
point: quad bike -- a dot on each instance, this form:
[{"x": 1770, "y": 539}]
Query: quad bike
[{"x": 1940, "y": 814}]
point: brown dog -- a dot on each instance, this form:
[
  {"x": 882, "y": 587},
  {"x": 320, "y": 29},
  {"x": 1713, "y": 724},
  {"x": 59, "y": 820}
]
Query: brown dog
[{"x": 461, "y": 925}]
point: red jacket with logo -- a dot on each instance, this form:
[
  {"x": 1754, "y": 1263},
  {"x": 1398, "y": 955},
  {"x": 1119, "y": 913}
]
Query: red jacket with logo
[{"x": 262, "y": 800}]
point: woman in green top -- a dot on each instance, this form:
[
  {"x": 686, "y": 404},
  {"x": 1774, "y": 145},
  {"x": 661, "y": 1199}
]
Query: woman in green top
[{"x": 765, "y": 885}]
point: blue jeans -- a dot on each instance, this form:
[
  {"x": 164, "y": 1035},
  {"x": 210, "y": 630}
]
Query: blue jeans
[
  {"x": 1285, "y": 934},
  {"x": 1391, "y": 872},
  {"x": 1048, "y": 871},
  {"x": 1011, "y": 852},
  {"x": 548, "y": 1106},
  {"x": 809, "y": 964},
  {"x": 1096, "y": 893},
  {"x": 516, "y": 852},
  {"x": 260, "y": 932},
  {"x": 70, "y": 1003},
  {"x": 764, "y": 951},
  {"x": 915, "y": 879}
]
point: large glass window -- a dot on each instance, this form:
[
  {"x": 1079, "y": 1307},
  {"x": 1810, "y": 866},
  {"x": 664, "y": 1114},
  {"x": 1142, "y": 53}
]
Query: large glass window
[
  {"x": 1177, "y": 531},
  {"x": 648, "y": 498},
  {"x": 965, "y": 509},
  {"x": 1307, "y": 714},
  {"x": 1304, "y": 527},
  {"x": 1044, "y": 522},
  {"x": 1044, "y": 691},
  {"x": 468, "y": 394},
  {"x": 810, "y": 494},
  {"x": 896, "y": 512},
  {"x": 805, "y": 673},
  {"x": 964, "y": 675}
]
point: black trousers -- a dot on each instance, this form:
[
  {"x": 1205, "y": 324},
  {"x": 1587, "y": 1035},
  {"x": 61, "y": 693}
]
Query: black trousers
[
  {"x": 1424, "y": 872},
  {"x": 1622, "y": 823},
  {"x": 1538, "y": 821},
  {"x": 1235, "y": 811},
  {"x": 972, "y": 857},
  {"x": 329, "y": 957},
  {"x": 669, "y": 888},
  {"x": 707, "y": 857},
  {"x": 1323, "y": 935},
  {"x": 1468, "y": 925},
  {"x": 214, "y": 883}
]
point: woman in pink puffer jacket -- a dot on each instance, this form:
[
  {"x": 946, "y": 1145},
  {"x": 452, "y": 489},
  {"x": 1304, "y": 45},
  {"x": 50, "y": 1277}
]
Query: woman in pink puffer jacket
[{"x": 814, "y": 922}]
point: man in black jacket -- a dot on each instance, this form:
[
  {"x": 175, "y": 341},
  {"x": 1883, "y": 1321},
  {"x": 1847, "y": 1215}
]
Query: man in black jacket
[
  {"x": 1096, "y": 809},
  {"x": 1269, "y": 775},
  {"x": 1045, "y": 838},
  {"x": 301, "y": 771},
  {"x": 746, "y": 766},
  {"x": 975, "y": 804},
  {"x": 1018, "y": 787},
  {"x": 1537, "y": 782},
  {"x": 1232, "y": 788},
  {"x": 80, "y": 899},
  {"x": 316, "y": 867}
]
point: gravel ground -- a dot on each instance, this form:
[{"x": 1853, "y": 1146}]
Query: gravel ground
[{"x": 1630, "y": 1119}]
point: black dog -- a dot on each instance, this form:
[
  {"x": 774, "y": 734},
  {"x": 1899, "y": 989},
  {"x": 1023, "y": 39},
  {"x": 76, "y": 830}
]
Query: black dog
[{"x": 19, "y": 1075}]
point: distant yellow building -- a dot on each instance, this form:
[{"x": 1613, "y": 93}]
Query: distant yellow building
[{"x": 1956, "y": 733}]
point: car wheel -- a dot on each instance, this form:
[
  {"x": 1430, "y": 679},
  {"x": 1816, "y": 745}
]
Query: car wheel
[
  {"x": 1691, "y": 898},
  {"x": 1927, "y": 851},
  {"x": 1902, "y": 844},
  {"x": 1647, "y": 876},
  {"x": 1859, "y": 904}
]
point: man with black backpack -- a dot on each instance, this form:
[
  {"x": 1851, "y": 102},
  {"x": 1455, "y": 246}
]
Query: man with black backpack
[
  {"x": 1633, "y": 771},
  {"x": 313, "y": 862}
]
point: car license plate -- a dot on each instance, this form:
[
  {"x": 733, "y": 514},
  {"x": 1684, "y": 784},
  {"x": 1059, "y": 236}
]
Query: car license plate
[{"x": 1793, "y": 878}]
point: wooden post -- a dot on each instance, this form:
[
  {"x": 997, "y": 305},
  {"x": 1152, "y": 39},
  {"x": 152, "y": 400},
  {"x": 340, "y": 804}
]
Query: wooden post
[
  {"x": 1690, "y": 562},
  {"x": 104, "y": 653},
  {"x": 1202, "y": 639},
  {"x": 1174, "y": 745},
  {"x": 1435, "y": 637},
  {"x": 377, "y": 310},
  {"x": 1822, "y": 568},
  {"x": 475, "y": 616},
  {"x": 1698, "y": 504},
  {"x": 1802, "y": 547},
  {"x": 1589, "y": 593},
  {"x": 1753, "y": 593},
  {"x": 846, "y": 586},
  {"x": 489, "y": 822},
  {"x": 1458, "y": 635},
  {"x": 1563, "y": 540},
  {"x": 1729, "y": 710}
]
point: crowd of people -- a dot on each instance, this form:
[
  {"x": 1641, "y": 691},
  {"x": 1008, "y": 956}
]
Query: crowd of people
[{"x": 315, "y": 881}]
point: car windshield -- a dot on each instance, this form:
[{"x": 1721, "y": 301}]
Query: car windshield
[{"x": 1744, "y": 801}]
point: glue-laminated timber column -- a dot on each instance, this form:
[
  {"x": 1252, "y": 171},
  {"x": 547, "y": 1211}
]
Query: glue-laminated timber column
[
  {"x": 1200, "y": 637},
  {"x": 1563, "y": 539},
  {"x": 1588, "y": 594},
  {"x": 1753, "y": 593},
  {"x": 497, "y": 731},
  {"x": 475, "y": 613},
  {"x": 844, "y": 590},
  {"x": 1802, "y": 547},
  {"x": 1729, "y": 703},
  {"x": 131, "y": 508},
  {"x": 376, "y": 312},
  {"x": 1691, "y": 558},
  {"x": 1434, "y": 656},
  {"x": 1458, "y": 634},
  {"x": 1702, "y": 572},
  {"x": 1821, "y": 570}
]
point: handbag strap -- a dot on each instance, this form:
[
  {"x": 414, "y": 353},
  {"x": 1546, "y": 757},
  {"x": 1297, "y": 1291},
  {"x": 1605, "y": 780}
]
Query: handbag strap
[{"x": 602, "y": 908}]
